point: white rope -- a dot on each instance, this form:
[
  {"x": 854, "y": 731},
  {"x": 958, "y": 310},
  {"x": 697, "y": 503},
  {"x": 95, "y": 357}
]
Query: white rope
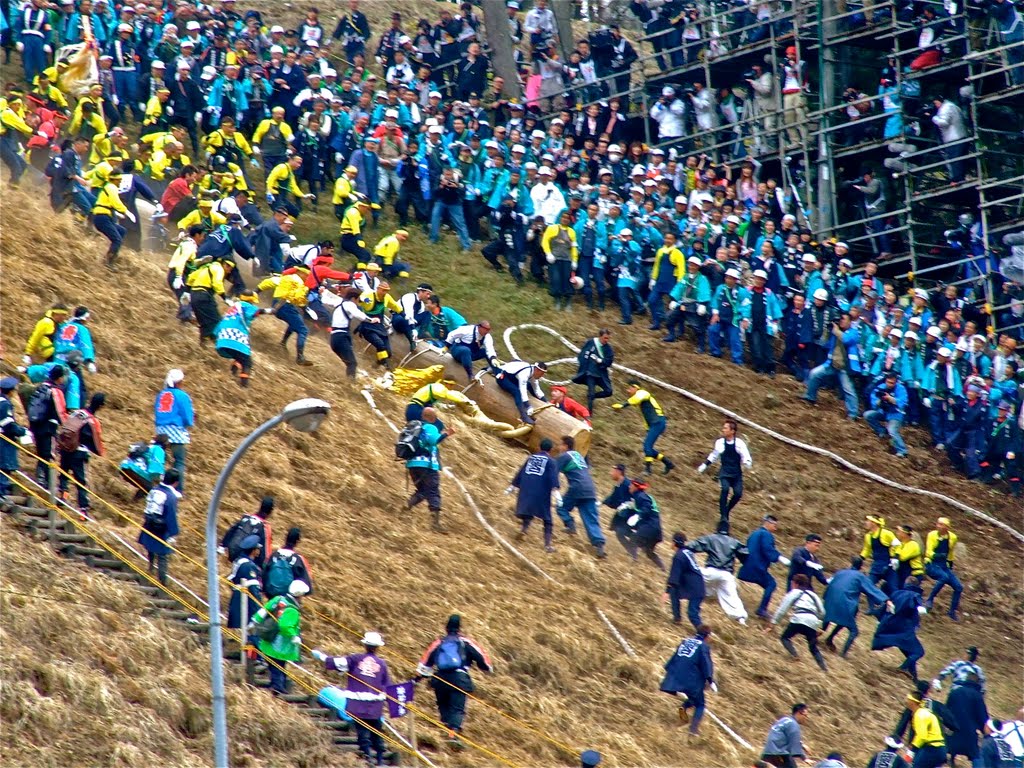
[
  {"x": 410, "y": 747},
  {"x": 618, "y": 635},
  {"x": 721, "y": 724},
  {"x": 847, "y": 464}
]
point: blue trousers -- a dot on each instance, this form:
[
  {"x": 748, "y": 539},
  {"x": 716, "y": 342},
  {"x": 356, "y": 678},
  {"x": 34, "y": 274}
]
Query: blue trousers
[
  {"x": 943, "y": 575},
  {"x": 767, "y": 582},
  {"x": 510, "y": 385},
  {"x": 929, "y": 757},
  {"x": 891, "y": 426},
  {"x": 33, "y": 58},
  {"x": 653, "y": 433},
  {"x": 692, "y": 607},
  {"x": 110, "y": 229},
  {"x": 10, "y": 156},
  {"x": 884, "y": 576},
  {"x": 965, "y": 450},
  {"x": 626, "y": 303},
  {"x": 127, "y": 86},
  {"x": 732, "y": 338},
  {"x": 825, "y": 374},
  {"x": 455, "y": 216},
  {"x": 466, "y": 354},
  {"x": 656, "y": 303},
  {"x": 291, "y": 316},
  {"x": 942, "y": 420},
  {"x": 588, "y": 514}
]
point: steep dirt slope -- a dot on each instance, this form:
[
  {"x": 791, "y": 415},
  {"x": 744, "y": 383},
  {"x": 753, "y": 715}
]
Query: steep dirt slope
[{"x": 378, "y": 567}]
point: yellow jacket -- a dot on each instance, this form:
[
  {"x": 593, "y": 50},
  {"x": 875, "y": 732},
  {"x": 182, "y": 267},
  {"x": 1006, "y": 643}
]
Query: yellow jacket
[
  {"x": 887, "y": 539},
  {"x": 162, "y": 161},
  {"x": 931, "y": 542},
  {"x": 387, "y": 249},
  {"x": 431, "y": 393},
  {"x": 40, "y": 343},
  {"x": 352, "y": 222},
  {"x": 96, "y": 120},
  {"x": 230, "y": 181},
  {"x": 52, "y": 93},
  {"x": 108, "y": 200},
  {"x": 342, "y": 191},
  {"x": 154, "y": 110},
  {"x": 290, "y": 288},
  {"x": 374, "y": 306},
  {"x": 910, "y": 552},
  {"x": 282, "y": 174},
  {"x": 209, "y": 276},
  {"x": 216, "y": 140},
  {"x": 551, "y": 232},
  {"x": 264, "y": 126},
  {"x": 158, "y": 139},
  {"x": 675, "y": 256},
  {"x": 11, "y": 119},
  {"x": 927, "y": 730},
  {"x": 183, "y": 254},
  {"x": 196, "y": 217}
]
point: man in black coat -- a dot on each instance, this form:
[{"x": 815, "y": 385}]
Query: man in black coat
[
  {"x": 187, "y": 101},
  {"x": 966, "y": 702},
  {"x": 685, "y": 582},
  {"x": 595, "y": 361}
]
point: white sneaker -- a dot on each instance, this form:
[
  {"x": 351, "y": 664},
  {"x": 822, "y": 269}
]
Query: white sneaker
[{"x": 743, "y": 622}]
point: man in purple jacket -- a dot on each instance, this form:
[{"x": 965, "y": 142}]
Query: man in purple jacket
[{"x": 367, "y": 677}]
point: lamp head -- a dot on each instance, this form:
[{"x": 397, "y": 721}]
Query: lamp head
[{"x": 306, "y": 415}]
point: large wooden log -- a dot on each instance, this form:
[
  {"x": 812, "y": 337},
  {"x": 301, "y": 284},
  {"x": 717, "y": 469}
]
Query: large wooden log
[{"x": 499, "y": 406}]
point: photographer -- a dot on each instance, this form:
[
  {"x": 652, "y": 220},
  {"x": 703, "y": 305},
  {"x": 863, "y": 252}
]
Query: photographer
[
  {"x": 793, "y": 101},
  {"x": 621, "y": 58},
  {"x": 702, "y": 101},
  {"x": 765, "y": 104},
  {"x": 447, "y": 197},
  {"x": 670, "y": 114},
  {"x": 888, "y": 400}
]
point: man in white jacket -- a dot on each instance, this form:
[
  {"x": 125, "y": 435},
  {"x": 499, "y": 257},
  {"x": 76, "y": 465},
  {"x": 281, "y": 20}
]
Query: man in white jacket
[
  {"x": 949, "y": 119},
  {"x": 548, "y": 200},
  {"x": 668, "y": 113}
]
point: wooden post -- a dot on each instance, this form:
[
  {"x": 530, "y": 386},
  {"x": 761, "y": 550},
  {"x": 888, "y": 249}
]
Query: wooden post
[
  {"x": 53, "y": 516},
  {"x": 245, "y": 620},
  {"x": 563, "y": 10}
]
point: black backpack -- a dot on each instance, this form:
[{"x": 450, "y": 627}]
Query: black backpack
[
  {"x": 39, "y": 403},
  {"x": 55, "y": 164},
  {"x": 408, "y": 444},
  {"x": 246, "y": 527}
]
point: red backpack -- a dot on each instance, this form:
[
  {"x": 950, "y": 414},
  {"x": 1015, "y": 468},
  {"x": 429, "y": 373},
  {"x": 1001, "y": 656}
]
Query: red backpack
[{"x": 69, "y": 434}]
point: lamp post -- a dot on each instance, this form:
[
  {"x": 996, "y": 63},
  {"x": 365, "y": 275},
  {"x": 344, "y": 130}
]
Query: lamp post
[{"x": 305, "y": 415}]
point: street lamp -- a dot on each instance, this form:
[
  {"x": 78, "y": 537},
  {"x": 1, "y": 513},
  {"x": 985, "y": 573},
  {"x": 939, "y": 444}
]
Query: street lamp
[{"x": 305, "y": 415}]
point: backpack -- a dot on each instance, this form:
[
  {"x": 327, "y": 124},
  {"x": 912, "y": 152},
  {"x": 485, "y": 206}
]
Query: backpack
[
  {"x": 449, "y": 655},
  {"x": 69, "y": 434},
  {"x": 279, "y": 575},
  {"x": 267, "y": 629},
  {"x": 408, "y": 444},
  {"x": 138, "y": 451},
  {"x": 246, "y": 527},
  {"x": 153, "y": 516},
  {"x": 39, "y": 403}
]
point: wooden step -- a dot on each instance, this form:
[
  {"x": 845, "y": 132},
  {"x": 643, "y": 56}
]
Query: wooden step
[
  {"x": 335, "y": 725},
  {"x": 79, "y": 550},
  {"x": 124, "y": 575},
  {"x": 105, "y": 563},
  {"x": 295, "y": 698},
  {"x": 32, "y": 511},
  {"x": 165, "y": 603},
  {"x": 73, "y": 538},
  {"x": 173, "y": 615}
]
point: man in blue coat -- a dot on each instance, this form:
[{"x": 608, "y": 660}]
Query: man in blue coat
[
  {"x": 898, "y": 627},
  {"x": 842, "y": 601},
  {"x": 11, "y": 430},
  {"x": 160, "y": 523},
  {"x": 536, "y": 480},
  {"x": 888, "y": 400},
  {"x": 762, "y": 553},
  {"x": 685, "y": 582},
  {"x": 688, "y": 673},
  {"x": 966, "y": 703}
]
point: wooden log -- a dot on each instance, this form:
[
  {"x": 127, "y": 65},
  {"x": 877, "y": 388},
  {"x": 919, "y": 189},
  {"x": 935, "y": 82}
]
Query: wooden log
[{"x": 499, "y": 406}]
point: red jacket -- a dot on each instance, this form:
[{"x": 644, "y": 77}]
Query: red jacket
[{"x": 574, "y": 409}]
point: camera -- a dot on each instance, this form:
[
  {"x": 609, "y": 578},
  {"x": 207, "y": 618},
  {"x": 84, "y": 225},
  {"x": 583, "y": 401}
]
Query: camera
[
  {"x": 689, "y": 90},
  {"x": 749, "y": 75}
]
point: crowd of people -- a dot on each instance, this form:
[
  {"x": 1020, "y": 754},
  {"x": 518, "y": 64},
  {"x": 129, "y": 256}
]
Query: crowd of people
[{"x": 233, "y": 129}]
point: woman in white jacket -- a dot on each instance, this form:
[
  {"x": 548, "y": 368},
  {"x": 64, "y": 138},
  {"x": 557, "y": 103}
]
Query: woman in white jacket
[{"x": 807, "y": 613}]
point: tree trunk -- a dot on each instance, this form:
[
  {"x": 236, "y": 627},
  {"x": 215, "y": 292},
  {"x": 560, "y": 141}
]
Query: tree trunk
[
  {"x": 563, "y": 10},
  {"x": 502, "y": 59}
]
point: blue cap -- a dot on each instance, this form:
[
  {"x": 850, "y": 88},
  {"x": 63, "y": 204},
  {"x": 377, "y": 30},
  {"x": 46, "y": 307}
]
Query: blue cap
[
  {"x": 7, "y": 383},
  {"x": 590, "y": 758},
  {"x": 249, "y": 543}
]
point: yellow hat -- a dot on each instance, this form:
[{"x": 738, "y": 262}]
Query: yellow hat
[
  {"x": 876, "y": 519},
  {"x": 249, "y": 296},
  {"x": 945, "y": 521}
]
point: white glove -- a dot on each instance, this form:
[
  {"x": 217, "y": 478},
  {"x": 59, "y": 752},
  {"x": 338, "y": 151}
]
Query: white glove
[
  {"x": 297, "y": 640},
  {"x": 633, "y": 520},
  {"x": 894, "y": 563},
  {"x": 178, "y": 283},
  {"x": 20, "y": 46},
  {"x": 1011, "y": 455},
  {"x": 309, "y": 196},
  {"x": 47, "y": 48},
  {"x": 197, "y": 116},
  {"x": 550, "y": 259},
  {"x": 937, "y": 684},
  {"x": 558, "y": 498},
  {"x": 673, "y": 305},
  {"x": 510, "y": 490},
  {"x": 91, "y": 368},
  {"x": 257, "y": 151},
  {"x": 702, "y": 310},
  {"x": 169, "y": 110},
  {"x": 319, "y": 655},
  {"x": 650, "y": 285},
  {"x": 337, "y": 157},
  {"x": 115, "y": 101},
  {"x": 42, "y": 134},
  {"x": 927, "y": 402},
  {"x": 815, "y": 566},
  {"x": 784, "y": 560},
  {"x": 624, "y": 506},
  {"x": 702, "y": 469},
  {"x": 713, "y": 687},
  {"x": 221, "y": 551},
  {"x": 130, "y": 216},
  {"x": 921, "y": 610},
  {"x": 26, "y": 439},
  {"x": 172, "y": 541},
  {"x": 27, "y": 359}
]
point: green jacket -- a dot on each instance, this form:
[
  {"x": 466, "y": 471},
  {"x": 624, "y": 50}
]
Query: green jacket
[{"x": 285, "y": 646}]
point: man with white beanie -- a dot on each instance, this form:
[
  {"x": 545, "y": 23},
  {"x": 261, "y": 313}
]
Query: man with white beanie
[
  {"x": 173, "y": 415},
  {"x": 669, "y": 113}
]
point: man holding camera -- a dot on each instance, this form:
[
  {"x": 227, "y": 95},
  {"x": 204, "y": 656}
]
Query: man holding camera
[
  {"x": 670, "y": 114},
  {"x": 888, "y": 399}
]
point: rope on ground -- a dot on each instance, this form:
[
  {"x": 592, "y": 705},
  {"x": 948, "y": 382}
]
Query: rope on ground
[
  {"x": 845, "y": 463},
  {"x": 616, "y": 634},
  {"x": 739, "y": 739}
]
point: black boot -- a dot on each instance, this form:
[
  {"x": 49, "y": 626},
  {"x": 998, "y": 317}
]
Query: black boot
[
  {"x": 669, "y": 466},
  {"x": 819, "y": 659},
  {"x": 110, "y": 261},
  {"x": 788, "y": 645}
]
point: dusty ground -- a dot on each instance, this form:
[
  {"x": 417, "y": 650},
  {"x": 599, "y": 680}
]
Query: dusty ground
[{"x": 377, "y": 567}]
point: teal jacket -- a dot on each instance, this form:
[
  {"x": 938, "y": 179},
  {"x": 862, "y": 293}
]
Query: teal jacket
[
  {"x": 429, "y": 458},
  {"x": 693, "y": 287},
  {"x": 773, "y": 309}
]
